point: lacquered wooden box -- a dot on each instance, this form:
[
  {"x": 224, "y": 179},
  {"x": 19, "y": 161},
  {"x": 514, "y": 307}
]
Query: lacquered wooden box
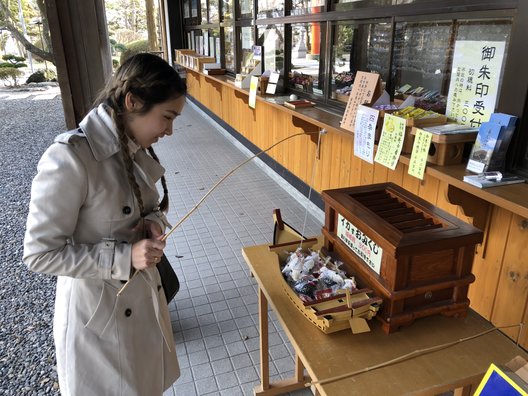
[{"x": 415, "y": 256}]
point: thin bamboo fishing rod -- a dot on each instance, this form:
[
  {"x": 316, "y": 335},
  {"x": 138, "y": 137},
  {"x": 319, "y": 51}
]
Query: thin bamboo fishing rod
[
  {"x": 164, "y": 238},
  {"x": 410, "y": 355}
]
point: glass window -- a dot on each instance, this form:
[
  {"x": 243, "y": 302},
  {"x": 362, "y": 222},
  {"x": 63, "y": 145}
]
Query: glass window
[
  {"x": 246, "y": 8},
  {"x": 229, "y": 48},
  {"x": 194, "y": 8},
  {"x": 203, "y": 11},
  {"x": 351, "y": 4},
  {"x": 246, "y": 61},
  {"x": 214, "y": 44},
  {"x": 358, "y": 47},
  {"x": 214, "y": 16},
  {"x": 186, "y": 9},
  {"x": 307, "y": 69},
  {"x": 227, "y": 9},
  {"x": 423, "y": 56},
  {"x": 270, "y": 8},
  {"x": 271, "y": 38},
  {"x": 300, "y": 7}
]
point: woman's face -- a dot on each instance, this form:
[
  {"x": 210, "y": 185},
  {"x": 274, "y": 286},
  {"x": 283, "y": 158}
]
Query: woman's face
[{"x": 147, "y": 128}]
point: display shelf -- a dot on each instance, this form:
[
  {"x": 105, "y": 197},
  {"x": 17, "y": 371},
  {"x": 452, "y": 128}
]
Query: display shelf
[{"x": 509, "y": 197}]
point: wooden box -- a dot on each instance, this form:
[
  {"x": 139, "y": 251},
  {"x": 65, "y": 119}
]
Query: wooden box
[
  {"x": 448, "y": 149},
  {"x": 415, "y": 256}
]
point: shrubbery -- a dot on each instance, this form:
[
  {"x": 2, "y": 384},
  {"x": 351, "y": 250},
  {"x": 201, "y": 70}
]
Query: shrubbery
[
  {"x": 133, "y": 48},
  {"x": 42, "y": 76},
  {"x": 10, "y": 73}
]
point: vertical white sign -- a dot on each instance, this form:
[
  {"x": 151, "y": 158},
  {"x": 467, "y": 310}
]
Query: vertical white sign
[
  {"x": 364, "y": 133},
  {"x": 475, "y": 78}
]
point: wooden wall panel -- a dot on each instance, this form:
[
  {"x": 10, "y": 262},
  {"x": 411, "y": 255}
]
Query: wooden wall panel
[
  {"x": 343, "y": 168},
  {"x": 487, "y": 270},
  {"x": 512, "y": 291}
]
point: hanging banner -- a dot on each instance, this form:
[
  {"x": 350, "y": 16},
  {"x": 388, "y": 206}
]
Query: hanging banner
[
  {"x": 364, "y": 133},
  {"x": 391, "y": 141},
  {"x": 475, "y": 78},
  {"x": 420, "y": 151}
]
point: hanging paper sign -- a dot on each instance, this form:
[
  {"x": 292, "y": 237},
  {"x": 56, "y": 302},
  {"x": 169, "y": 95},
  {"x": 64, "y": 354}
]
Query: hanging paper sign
[
  {"x": 365, "y": 90},
  {"x": 475, "y": 78},
  {"x": 359, "y": 243},
  {"x": 420, "y": 151},
  {"x": 253, "y": 84},
  {"x": 391, "y": 141},
  {"x": 366, "y": 120}
]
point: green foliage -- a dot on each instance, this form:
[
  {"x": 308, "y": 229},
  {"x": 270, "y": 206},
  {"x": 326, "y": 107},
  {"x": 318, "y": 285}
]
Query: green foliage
[
  {"x": 115, "y": 63},
  {"x": 13, "y": 61},
  {"x": 133, "y": 48},
  {"x": 11, "y": 73},
  {"x": 42, "y": 76}
]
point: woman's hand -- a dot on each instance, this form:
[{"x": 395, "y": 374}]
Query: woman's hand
[{"x": 147, "y": 253}]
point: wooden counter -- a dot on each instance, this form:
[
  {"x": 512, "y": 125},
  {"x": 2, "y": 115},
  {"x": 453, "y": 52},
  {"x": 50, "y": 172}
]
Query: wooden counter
[
  {"x": 500, "y": 265},
  {"x": 511, "y": 197},
  {"x": 329, "y": 355}
]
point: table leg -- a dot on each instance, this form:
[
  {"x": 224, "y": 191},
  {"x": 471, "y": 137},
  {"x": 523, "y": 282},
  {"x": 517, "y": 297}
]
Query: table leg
[
  {"x": 264, "y": 344},
  {"x": 279, "y": 387}
]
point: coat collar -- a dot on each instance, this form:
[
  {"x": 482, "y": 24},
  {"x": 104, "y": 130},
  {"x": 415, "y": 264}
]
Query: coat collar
[{"x": 99, "y": 129}]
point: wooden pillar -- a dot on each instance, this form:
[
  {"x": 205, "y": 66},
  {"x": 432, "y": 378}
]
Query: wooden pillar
[{"x": 82, "y": 53}]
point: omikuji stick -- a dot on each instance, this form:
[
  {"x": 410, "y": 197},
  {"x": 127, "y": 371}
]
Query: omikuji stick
[{"x": 164, "y": 238}]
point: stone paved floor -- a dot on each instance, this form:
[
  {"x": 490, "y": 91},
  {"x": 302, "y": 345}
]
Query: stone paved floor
[{"x": 215, "y": 314}]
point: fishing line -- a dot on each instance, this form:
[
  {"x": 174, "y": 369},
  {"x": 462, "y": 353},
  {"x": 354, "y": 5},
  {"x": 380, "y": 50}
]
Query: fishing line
[
  {"x": 321, "y": 132},
  {"x": 164, "y": 238}
]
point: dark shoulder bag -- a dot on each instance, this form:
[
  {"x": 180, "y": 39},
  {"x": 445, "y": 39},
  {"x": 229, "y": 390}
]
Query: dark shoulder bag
[{"x": 169, "y": 279}]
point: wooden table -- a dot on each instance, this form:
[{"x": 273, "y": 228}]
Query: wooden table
[{"x": 457, "y": 367}]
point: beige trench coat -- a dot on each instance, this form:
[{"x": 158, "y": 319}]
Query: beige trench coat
[{"x": 79, "y": 228}]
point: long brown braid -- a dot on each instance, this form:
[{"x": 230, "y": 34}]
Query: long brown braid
[{"x": 153, "y": 81}]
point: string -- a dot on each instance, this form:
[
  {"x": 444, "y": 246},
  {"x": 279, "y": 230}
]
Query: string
[
  {"x": 311, "y": 186},
  {"x": 164, "y": 238},
  {"x": 410, "y": 355}
]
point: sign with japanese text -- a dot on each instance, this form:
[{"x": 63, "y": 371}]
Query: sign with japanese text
[
  {"x": 365, "y": 90},
  {"x": 253, "y": 85},
  {"x": 364, "y": 247},
  {"x": 420, "y": 151},
  {"x": 364, "y": 134},
  {"x": 475, "y": 78},
  {"x": 391, "y": 141}
]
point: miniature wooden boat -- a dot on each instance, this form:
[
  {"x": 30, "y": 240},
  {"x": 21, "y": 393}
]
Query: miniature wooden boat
[{"x": 347, "y": 310}]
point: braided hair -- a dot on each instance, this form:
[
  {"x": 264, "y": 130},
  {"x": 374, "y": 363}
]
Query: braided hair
[{"x": 152, "y": 81}]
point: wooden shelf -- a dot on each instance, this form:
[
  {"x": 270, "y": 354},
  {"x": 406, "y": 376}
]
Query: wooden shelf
[{"x": 510, "y": 197}]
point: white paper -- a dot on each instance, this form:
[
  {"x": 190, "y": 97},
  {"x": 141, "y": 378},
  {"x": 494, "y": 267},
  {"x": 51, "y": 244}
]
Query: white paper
[
  {"x": 274, "y": 77},
  {"x": 384, "y": 99},
  {"x": 271, "y": 88},
  {"x": 365, "y": 132}
]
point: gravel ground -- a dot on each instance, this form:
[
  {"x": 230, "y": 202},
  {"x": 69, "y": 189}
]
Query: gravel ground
[{"x": 27, "y": 356}]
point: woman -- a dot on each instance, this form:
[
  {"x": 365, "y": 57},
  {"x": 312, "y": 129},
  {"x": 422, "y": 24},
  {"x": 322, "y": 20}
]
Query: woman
[{"x": 92, "y": 203}]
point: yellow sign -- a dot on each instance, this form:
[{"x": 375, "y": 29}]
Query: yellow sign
[
  {"x": 253, "y": 91},
  {"x": 420, "y": 150},
  {"x": 391, "y": 141}
]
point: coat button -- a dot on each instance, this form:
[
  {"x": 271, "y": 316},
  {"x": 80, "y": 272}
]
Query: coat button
[
  {"x": 127, "y": 210},
  {"x": 159, "y": 287},
  {"x": 128, "y": 312}
]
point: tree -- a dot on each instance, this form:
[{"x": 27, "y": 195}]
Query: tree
[{"x": 7, "y": 20}]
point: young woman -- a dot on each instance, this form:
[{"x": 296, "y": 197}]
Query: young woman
[{"x": 94, "y": 219}]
